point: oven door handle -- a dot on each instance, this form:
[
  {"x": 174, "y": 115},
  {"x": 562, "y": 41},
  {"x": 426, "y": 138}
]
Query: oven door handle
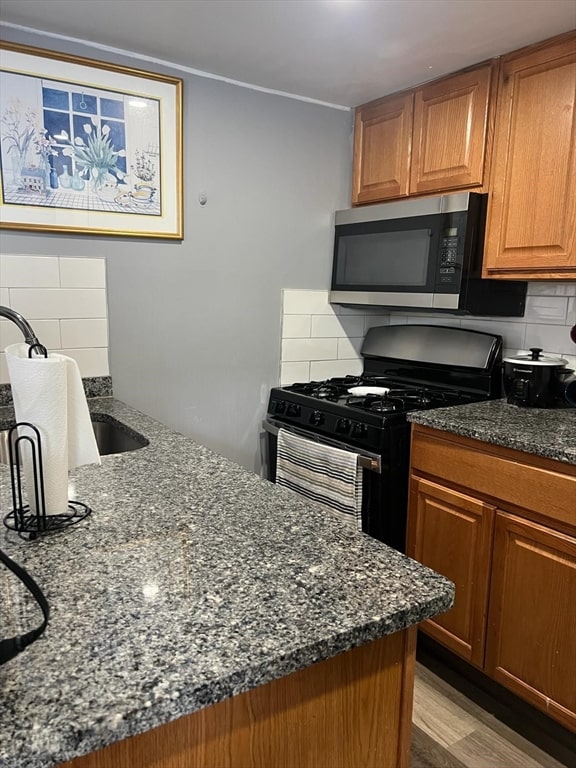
[{"x": 366, "y": 460}]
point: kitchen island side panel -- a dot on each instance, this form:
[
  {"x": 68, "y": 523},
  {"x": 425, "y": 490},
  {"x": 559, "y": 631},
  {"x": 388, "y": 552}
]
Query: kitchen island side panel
[{"x": 351, "y": 711}]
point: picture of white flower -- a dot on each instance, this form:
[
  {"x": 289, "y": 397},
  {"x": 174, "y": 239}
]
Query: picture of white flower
[{"x": 70, "y": 146}]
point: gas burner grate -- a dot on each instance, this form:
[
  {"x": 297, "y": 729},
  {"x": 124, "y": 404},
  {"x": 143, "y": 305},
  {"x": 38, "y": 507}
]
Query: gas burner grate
[
  {"x": 376, "y": 403},
  {"x": 401, "y": 396},
  {"x": 331, "y": 389},
  {"x": 386, "y": 405}
]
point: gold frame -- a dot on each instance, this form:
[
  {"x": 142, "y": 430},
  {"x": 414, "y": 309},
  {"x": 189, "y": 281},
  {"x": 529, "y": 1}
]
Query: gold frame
[{"x": 163, "y": 89}]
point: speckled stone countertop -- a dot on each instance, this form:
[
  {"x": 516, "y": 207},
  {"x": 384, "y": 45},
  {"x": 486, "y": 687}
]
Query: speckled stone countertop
[
  {"x": 94, "y": 386},
  {"x": 549, "y": 432},
  {"x": 193, "y": 580}
]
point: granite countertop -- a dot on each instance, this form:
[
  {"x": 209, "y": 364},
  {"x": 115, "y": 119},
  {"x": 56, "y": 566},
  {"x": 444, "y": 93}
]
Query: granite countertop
[
  {"x": 549, "y": 432},
  {"x": 193, "y": 580}
]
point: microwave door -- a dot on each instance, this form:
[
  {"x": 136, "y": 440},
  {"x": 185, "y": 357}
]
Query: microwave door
[{"x": 388, "y": 262}]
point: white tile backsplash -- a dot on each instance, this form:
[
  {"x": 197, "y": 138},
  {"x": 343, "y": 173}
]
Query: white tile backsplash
[
  {"x": 48, "y": 303},
  {"x": 29, "y": 272},
  {"x": 292, "y": 372},
  {"x": 515, "y": 332},
  {"x": 337, "y": 326},
  {"x": 307, "y": 303},
  {"x": 294, "y": 350},
  {"x": 434, "y": 319},
  {"x": 373, "y": 321},
  {"x": 550, "y": 338},
  {"x": 550, "y": 313},
  {"x": 349, "y": 349},
  {"x": 551, "y": 288},
  {"x": 82, "y": 273},
  {"x": 64, "y": 299},
  {"x": 327, "y": 369},
  {"x": 546, "y": 309},
  {"x": 571, "y": 312},
  {"x": 48, "y": 331},
  {"x": 81, "y": 333},
  {"x": 3, "y": 367},
  {"x": 90, "y": 361},
  {"x": 320, "y": 340},
  {"x": 296, "y": 326}
]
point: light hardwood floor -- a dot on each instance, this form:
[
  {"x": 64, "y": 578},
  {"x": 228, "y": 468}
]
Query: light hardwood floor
[{"x": 452, "y": 730}]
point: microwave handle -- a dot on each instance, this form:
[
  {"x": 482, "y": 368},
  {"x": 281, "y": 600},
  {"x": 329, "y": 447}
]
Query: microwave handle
[{"x": 370, "y": 461}]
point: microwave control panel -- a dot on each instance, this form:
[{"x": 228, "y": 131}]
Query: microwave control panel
[{"x": 448, "y": 257}]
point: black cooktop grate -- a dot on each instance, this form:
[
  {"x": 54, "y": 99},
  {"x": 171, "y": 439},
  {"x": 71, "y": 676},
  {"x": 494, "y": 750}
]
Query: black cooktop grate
[{"x": 398, "y": 398}]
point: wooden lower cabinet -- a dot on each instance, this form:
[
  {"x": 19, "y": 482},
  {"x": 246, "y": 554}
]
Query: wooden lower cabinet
[
  {"x": 452, "y": 534},
  {"x": 501, "y": 525},
  {"x": 531, "y": 645}
]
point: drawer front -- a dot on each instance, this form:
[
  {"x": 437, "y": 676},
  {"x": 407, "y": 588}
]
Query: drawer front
[{"x": 540, "y": 489}]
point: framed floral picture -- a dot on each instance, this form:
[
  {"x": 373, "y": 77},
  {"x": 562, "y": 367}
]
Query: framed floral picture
[{"x": 88, "y": 147}]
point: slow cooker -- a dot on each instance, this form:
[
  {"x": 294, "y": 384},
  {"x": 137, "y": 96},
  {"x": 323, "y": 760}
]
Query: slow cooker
[{"x": 535, "y": 380}]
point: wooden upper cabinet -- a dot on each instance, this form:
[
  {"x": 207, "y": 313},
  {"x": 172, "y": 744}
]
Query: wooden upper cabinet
[
  {"x": 531, "y": 647},
  {"x": 531, "y": 228},
  {"x": 382, "y": 144},
  {"x": 450, "y": 132},
  {"x": 431, "y": 139}
]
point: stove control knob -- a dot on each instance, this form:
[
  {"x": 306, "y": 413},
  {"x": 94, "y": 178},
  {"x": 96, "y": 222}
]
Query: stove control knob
[
  {"x": 359, "y": 430},
  {"x": 279, "y": 406},
  {"x": 316, "y": 418},
  {"x": 293, "y": 410},
  {"x": 343, "y": 426}
]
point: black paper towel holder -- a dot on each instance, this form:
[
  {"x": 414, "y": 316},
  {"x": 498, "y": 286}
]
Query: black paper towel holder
[{"x": 22, "y": 519}]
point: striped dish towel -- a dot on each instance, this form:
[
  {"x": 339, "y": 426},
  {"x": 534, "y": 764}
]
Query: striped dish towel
[{"x": 322, "y": 473}]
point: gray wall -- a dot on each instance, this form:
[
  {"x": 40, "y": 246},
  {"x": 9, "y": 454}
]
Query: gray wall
[{"x": 195, "y": 326}]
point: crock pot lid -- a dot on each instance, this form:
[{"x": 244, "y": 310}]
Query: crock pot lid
[{"x": 526, "y": 359}]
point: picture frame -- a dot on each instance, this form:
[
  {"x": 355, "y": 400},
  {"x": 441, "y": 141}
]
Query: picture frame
[{"x": 88, "y": 147}]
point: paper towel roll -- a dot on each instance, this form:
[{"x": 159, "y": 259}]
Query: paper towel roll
[{"x": 48, "y": 392}]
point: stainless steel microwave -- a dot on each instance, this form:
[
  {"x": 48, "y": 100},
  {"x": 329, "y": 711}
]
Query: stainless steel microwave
[{"x": 421, "y": 254}]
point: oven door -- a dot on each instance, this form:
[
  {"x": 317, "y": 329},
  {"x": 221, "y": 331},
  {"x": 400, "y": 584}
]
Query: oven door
[
  {"x": 384, "y": 481},
  {"x": 367, "y": 460}
]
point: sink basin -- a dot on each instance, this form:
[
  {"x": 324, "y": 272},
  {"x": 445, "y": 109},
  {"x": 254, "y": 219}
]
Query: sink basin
[{"x": 111, "y": 436}]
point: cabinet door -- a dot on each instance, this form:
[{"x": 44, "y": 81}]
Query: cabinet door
[
  {"x": 382, "y": 144},
  {"x": 450, "y": 128},
  {"x": 452, "y": 534},
  {"x": 531, "y": 645},
  {"x": 531, "y": 229}
]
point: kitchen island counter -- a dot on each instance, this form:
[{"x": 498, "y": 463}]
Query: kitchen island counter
[
  {"x": 549, "y": 432},
  {"x": 193, "y": 581}
]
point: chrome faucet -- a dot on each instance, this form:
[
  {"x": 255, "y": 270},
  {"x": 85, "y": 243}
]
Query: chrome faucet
[{"x": 25, "y": 327}]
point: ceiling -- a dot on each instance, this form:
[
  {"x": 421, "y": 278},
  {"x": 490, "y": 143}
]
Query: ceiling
[{"x": 342, "y": 52}]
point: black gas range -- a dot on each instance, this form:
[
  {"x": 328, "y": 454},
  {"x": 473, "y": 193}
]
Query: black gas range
[{"x": 406, "y": 368}]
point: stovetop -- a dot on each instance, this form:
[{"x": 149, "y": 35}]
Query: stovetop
[
  {"x": 368, "y": 420},
  {"x": 379, "y": 394},
  {"x": 406, "y": 368}
]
